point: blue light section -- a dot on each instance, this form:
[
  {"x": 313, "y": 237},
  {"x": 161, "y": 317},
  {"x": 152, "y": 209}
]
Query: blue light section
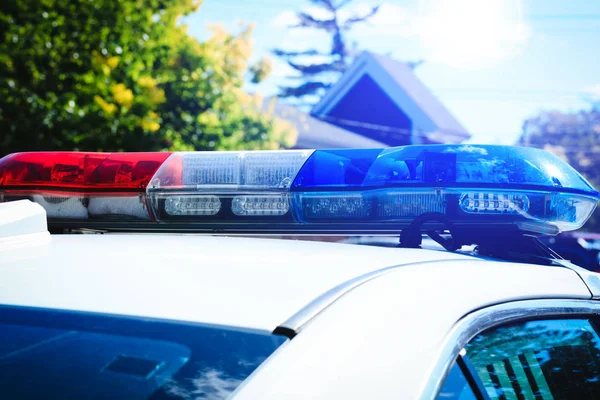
[
  {"x": 336, "y": 168},
  {"x": 465, "y": 184},
  {"x": 440, "y": 166}
]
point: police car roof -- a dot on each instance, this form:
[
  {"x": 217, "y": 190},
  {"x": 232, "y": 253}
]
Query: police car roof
[{"x": 244, "y": 282}]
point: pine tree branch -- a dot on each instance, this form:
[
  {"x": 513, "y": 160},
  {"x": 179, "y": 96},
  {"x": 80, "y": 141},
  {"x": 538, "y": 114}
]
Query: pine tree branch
[
  {"x": 315, "y": 69},
  {"x": 359, "y": 18},
  {"x": 338, "y": 46},
  {"x": 338, "y": 57},
  {"x": 328, "y": 4},
  {"x": 414, "y": 64},
  {"x": 306, "y": 89},
  {"x": 308, "y": 21},
  {"x": 288, "y": 54}
]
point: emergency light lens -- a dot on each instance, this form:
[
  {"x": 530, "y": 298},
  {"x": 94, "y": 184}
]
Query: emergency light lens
[
  {"x": 192, "y": 205},
  {"x": 80, "y": 171},
  {"x": 207, "y": 169},
  {"x": 235, "y": 170},
  {"x": 334, "y": 205},
  {"x": 494, "y": 203},
  {"x": 272, "y": 169},
  {"x": 568, "y": 212},
  {"x": 61, "y": 206},
  {"x": 246, "y": 184},
  {"x": 410, "y": 204},
  {"x": 260, "y": 205},
  {"x": 81, "y": 186}
]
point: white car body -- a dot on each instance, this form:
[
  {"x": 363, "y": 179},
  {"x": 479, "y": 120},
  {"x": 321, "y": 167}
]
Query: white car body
[{"x": 367, "y": 322}]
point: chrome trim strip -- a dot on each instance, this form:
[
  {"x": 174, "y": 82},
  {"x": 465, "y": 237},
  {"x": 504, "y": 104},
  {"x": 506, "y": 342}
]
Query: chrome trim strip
[
  {"x": 296, "y": 322},
  {"x": 292, "y": 326},
  {"x": 473, "y": 324}
]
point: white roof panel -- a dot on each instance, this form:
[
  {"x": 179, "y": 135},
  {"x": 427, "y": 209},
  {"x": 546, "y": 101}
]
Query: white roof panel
[
  {"x": 382, "y": 339},
  {"x": 253, "y": 283}
]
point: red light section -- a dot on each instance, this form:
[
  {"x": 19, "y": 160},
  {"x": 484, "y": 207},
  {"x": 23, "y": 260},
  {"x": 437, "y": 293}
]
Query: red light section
[{"x": 74, "y": 170}]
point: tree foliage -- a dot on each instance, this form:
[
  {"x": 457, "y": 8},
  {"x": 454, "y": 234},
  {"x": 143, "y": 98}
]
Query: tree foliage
[
  {"x": 315, "y": 78},
  {"x": 124, "y": 75},
  {"x": 574, "y": 137}
]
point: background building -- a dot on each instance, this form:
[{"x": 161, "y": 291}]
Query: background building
[{"x": 377, "y": 102}]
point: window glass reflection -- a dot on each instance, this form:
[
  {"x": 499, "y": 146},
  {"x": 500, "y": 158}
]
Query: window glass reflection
[{"x": 558, "y": 359}]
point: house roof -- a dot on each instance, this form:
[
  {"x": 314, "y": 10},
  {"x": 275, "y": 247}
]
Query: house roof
[
  {"x": 314, "y": 133},
  {"x": 430, "y": 117}
]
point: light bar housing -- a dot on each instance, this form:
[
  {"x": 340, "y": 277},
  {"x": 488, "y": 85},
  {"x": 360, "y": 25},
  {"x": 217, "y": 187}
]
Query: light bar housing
[{"x": 475, "y": 188}]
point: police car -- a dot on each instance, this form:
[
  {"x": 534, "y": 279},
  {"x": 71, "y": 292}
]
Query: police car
[{"x": 164, "y": 276}]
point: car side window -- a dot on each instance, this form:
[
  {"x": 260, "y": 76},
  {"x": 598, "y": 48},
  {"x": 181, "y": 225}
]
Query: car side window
[
  {"x": 538, "y": 360},
  {"x": 456, "y": 386}
]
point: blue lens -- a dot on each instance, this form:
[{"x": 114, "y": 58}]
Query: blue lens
[
  {"x": 336, "y": 168},
  {"x": 440, "y": 166},
  {"x": 467, "y": 184}
]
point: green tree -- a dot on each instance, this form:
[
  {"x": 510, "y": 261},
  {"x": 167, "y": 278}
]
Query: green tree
[
  {"x": 572, "y": 137},
  {"x": 316, "y": 78},
  {"x": 124, "y": 75}
]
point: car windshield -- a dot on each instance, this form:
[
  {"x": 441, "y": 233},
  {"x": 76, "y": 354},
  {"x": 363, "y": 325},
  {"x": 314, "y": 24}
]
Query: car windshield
[{"x": 63, "y": 355}]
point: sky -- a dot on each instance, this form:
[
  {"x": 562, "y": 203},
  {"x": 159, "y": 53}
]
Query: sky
[{"x": 492, "y": 63}]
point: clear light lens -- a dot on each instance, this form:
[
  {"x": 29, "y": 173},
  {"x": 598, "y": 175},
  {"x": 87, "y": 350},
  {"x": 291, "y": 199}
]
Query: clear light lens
[
  {"x": 218, "y": 168},
  {"x": 272, "y": 169},
  {"x": 86, "y": 207},
  {"x": 115, "y": 206},
  {"x": 569, "y": 212},
  {"x": 563, "y": 211},
  {"x": 57, "y": 206},
  {"x": 334, "y": 205},
  {"x": 256, "y": 183},
  {"x": 229, "y": 170},
  {"x": 192, "y": 205},
  {"x": 494, "y": 203},
  {"x": 409, "y": 204},
  {"x": 257, "y": 205}
]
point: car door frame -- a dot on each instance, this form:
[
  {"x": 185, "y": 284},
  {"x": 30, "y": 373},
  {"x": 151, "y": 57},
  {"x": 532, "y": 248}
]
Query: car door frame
[{"x": 493, "y": 316}]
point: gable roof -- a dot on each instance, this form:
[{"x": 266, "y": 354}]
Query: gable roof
[
  {"x": 429, "y": 116},
  {"x": 314, "y": 133}
]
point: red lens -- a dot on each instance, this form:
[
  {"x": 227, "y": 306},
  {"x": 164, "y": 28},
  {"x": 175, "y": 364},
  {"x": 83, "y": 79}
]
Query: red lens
[{"x": 73, "y": 170}]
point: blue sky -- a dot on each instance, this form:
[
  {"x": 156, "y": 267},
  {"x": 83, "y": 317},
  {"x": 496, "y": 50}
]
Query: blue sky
[{"x": 493, "y": 63}]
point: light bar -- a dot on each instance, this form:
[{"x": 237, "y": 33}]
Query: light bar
[{"x": 482, "y": 189}]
